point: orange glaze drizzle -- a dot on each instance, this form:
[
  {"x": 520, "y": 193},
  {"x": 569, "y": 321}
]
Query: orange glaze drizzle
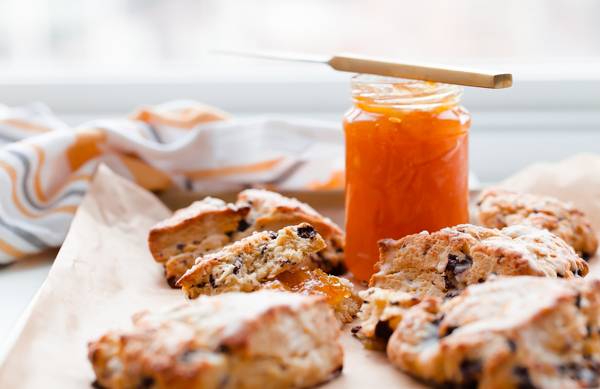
[{"x": 309, "y": 282}]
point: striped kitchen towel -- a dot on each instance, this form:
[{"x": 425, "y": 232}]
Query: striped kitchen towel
[{"x": 46, "y": 166}]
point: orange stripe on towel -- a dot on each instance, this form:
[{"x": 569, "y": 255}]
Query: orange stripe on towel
[
  {"x": 11, "y": 250},
  {"x": 15, "y": 197},
  {"x": 26, "y": 126},
  {"x": 86, "y": 147},
  {"x": 257, "y": 167},
  {"x": 186, "y": 119},
  {"x": 37, "y": 183},
  {"x": 145, "y": 175}
]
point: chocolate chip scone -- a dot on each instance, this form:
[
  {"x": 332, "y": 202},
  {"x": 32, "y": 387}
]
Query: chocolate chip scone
[
  {"x": 204, "y": 227},
  {"x": 207, "y": 226},
  {"x": 443, "y": 263},
  {"x": 339, "y": 291},
  {"x": 242, "y": 266},
  {"x": 512, "y": 332},
  {"x": 260, "y": 340},
  {"x": 248, "y": 264},
  {"x": 381, "y": 312},
  {"x": 498, "y": 208},
  {"x": 270, "y": 211}
]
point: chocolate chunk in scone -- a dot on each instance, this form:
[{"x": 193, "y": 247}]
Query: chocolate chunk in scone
[
  {"x": 271, "y": 260},
  {"x": 499, "y": 208},
  {"x": 443, "y": 263},
  {"x": 510, "y": 332},
  {"x": 237, "y": 340}
]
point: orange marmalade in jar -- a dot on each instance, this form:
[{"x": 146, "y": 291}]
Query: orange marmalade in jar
[{"x": 407, "y": 163}]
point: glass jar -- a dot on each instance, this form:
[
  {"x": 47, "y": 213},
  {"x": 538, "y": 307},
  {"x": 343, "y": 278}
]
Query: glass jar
[{"x": 407, "y": 163}]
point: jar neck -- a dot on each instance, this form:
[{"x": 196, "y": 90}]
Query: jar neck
[{"x": 394, "y": 93}]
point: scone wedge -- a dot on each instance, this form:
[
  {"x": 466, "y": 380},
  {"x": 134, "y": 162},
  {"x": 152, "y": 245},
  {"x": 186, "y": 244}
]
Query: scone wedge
[
  {"x": 338, "y": 291},
  {"x": 207, "y": 226},
  {"x": 236, "y": 340},
  {"x": 271, "y": 260},
  {"x": 499, "y": 208},
  {"x": 381, "y": 312},
  {"x": 270, "y": 211},
  {"x": 508, "y": 333},
  {"x": 244, "y": 265},
  {"x": 204, "y": 227},
  {"x": 443, "y": 263}
]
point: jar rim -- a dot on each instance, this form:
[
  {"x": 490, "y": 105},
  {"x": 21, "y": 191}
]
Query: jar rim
[{"x": 402, "y": 93}]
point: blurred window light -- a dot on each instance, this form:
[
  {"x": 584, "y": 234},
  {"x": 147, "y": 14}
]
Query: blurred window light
[
  {"x": 88, "y": 59},
  {"x": 155, "y": 33}
]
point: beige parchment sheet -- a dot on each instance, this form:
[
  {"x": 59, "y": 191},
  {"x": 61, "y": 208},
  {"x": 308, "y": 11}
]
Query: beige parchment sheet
[{"x": 104, "y": 274}]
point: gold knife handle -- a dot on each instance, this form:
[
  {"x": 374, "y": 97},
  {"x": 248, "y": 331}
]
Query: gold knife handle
[{"x": 426, "y": 72}]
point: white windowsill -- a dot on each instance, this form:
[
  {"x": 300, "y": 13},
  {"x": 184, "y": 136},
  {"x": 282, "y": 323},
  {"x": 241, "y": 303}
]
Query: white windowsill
[{"x": 551, "y": 112}]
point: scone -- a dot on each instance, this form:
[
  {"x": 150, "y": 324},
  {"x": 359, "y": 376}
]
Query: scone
[
  {"x": 204, "y": 227},
  {"x": 498, "y": 208},
  {"x": 512, "y": 332},
  {"x": 207, "y": 226},
  {"x": 249, "y": 264},
  {"x": 237, "y": 340},
  {"x": 339, "y": 291},
  {"x": 443, "y": 263},
  {"x": 270, "y": 211},
  {"x": 381, "y": 312},
  {"x": 242, "y": 266}
]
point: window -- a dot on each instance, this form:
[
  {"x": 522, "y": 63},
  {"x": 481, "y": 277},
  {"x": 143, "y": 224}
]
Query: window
[{"x": 99, "y": 58}]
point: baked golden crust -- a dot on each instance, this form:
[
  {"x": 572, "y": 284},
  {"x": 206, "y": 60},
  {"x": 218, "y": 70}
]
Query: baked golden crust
[
  {"x": 242, "y": 266},
  {"x": 204, "y": 227},
  {"x": 270, "y": 211},
  {"x": 237, "y": 340},
  {"x": 207, "y": 226},
  {"x": 251, "y": 263},
  {"x": 443, "y": 263},
  {"x": 511, "y": 332},
  {"x": 499, "y": 208}
]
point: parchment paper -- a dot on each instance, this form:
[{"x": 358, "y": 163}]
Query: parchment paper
[{"x": 104, "y": 274}]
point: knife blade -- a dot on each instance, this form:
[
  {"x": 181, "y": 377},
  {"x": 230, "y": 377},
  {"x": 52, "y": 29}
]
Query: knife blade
[{"x": 390, "y": 67}]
